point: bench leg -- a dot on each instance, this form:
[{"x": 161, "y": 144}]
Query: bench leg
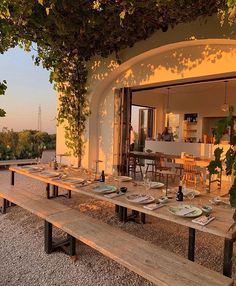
[
  {"x": 191, "y": 244},
  {"x": 55, "y": 191},
  {"x": 68, "y": 244},
  {"x": 4, "y": 206},
  {"x": 69, "y": 194},
  {"x": 228, "y": 252},
  {"x": 72, "y": 245},
  {"x": 47, "y": 237}
]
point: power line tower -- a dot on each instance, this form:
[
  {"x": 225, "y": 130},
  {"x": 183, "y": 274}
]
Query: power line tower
[{"x": 39, "y": 119}]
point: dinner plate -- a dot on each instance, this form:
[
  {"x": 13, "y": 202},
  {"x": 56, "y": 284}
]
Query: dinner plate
[
  {"x": 31, "y": 168},
  {"x": 49, "y": 174},
  {"x": 176, "y": 210},
  {"x": 106, "y": 189},
  {"x": 140, "y": 199},
  {"x": 186, "y": 191},
  {"x": 156, "y": 185},
  {"x": 72, "y": 180},
  {"x": 123, "y": 179}
]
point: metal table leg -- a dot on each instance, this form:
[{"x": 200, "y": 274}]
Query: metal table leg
[
  {"x": 191, "y": 244},
  {"x": 228, "y": 253},
  {"x": 12, "y": 178},
  {"x": 48, "y": 191}
]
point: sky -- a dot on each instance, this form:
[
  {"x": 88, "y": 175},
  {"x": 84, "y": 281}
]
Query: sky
[{"x": 27, "y": 87}]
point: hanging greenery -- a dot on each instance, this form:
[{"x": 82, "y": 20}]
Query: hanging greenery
[
  {"x": 3, "y": 87},
  {"x": 67, "y": 34}
]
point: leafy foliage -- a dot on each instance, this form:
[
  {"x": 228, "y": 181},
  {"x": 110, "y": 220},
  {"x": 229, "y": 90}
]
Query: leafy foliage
[
  {"x": 24, "y": 144},
  {"x": 230, "y": 157},
  {"x": 3, "y": 87},
  {"x": 69, "y": 33}
]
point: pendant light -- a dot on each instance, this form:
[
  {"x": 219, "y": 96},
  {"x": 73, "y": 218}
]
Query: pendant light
[
  {"x": 168, "y": 101},
  {"x": 225, "y": 106}
]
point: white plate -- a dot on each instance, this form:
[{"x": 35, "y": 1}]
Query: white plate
[
  {"x": 123, "y": 179},
  {"x": 107, "y": 189},
  {"x": 140, "y": 199},
  {"x": 186, "y": 191},
  {"x": 49, "y": 174},
  {"x": 72, "y": 180},
  {"x": 195, "y": 211},
  {"x": 156, "y": 185}
]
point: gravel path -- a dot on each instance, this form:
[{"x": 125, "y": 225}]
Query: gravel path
[{"x": 23, "y": 261}]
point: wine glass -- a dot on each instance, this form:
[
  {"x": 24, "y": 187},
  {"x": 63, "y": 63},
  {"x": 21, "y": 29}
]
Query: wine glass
[{"x": 190, "y": 196}]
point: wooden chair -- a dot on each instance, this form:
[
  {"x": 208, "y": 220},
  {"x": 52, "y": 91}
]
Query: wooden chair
[
  {"x": 214, "y": 178},
  {"x": 47, "y": 156},
  {"x": 191, "y": 172},
  {"x": 133, "y": 165},
  {"x": 158, "y": 165}
]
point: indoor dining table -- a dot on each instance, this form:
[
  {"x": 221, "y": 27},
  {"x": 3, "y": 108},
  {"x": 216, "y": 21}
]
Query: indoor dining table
[{"x": 218, "y": 227}]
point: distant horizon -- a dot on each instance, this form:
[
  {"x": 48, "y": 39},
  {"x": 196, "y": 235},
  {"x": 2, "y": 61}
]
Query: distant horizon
[
  {"x": 11, "y": 129},
  {"x": 28, "y": 87}
]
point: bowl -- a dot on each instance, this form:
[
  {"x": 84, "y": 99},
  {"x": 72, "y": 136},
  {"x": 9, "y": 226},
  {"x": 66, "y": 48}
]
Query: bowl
[
  {"x": 217, "y": 200},
  {"x": 163, "y": 200},
  {"x": 207, "y": 209},
  {"x": 123, "y": 189}
]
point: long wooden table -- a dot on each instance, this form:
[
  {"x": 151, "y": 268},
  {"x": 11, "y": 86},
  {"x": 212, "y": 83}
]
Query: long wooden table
[{"x": 219, "y": 227}]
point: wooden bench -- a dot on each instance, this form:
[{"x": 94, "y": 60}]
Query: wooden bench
[
  {"x": 17, "y": 162},
  {"x": 150, "y": 261}
]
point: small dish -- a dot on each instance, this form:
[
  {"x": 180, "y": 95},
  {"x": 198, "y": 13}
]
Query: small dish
[
  {"x": 216, "y": 201},
  {"x": 123, "y": 189},
  {"x": 207, "y": 210},
  {"x": 163, "y": 200}
]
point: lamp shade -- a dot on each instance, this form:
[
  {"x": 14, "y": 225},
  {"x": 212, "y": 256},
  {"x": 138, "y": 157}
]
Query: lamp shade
[{"x": 225, "y": 107}]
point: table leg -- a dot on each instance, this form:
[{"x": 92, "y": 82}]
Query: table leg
[
  {"x": 12, "y": 178},
  {"x": 167, "y": 177},
  {"x": 143, "y": 218},
  {"x": 191, "y": 244},
  {"x": 116, "y": 209},
  {"x": 228, "y": 253},
  {"x": 48, "y": 191}
]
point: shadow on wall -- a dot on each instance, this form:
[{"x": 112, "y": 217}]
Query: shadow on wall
[{"x": 178, "y": 63}]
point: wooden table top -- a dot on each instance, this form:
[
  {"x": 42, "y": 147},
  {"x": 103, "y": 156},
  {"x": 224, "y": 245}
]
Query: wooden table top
[{"x": 223, "y": 213}]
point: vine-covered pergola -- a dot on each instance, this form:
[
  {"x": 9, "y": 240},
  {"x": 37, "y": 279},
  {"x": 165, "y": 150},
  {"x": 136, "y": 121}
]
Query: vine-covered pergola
[{"x": 68, "y": 34}]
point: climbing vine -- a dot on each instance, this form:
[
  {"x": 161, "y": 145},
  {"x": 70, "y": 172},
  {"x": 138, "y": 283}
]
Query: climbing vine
[{"x": 67, "y": 34}]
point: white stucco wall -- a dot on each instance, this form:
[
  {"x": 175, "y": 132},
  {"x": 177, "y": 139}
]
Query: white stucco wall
[{"x": 163, "y": 57}]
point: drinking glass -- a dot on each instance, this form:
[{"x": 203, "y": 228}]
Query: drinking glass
[{"x": 190, "y": 196}]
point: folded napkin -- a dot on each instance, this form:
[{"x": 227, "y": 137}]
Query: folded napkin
[
  {"x": 140, "y": 199},
  {"x": 183, "y": 212},
  {"x": 203, "y": 220},
  {"x": 113, "y": 195},
  {"x": 153, "y": 207}
]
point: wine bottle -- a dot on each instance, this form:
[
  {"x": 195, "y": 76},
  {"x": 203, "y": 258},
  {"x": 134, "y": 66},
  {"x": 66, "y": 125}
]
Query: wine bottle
[
  {"x": 180, "y": 195},
  {"x": 102, "y": 177}
]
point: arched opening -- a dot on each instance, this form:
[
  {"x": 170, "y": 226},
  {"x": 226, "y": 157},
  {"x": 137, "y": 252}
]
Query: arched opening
[{"x": 171, "y": 63}]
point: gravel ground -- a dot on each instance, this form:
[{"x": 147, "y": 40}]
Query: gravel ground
[{"x": 23, "y": 261}]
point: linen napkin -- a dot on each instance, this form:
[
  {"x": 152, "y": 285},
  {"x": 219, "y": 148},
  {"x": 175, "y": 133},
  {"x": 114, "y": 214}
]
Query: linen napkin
[
  {"x": 203, "y": 220},
  {"x": 183, "y": 212},
  {"x": 153, "y": 207},
  {"x": 113, "y": 195}
]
